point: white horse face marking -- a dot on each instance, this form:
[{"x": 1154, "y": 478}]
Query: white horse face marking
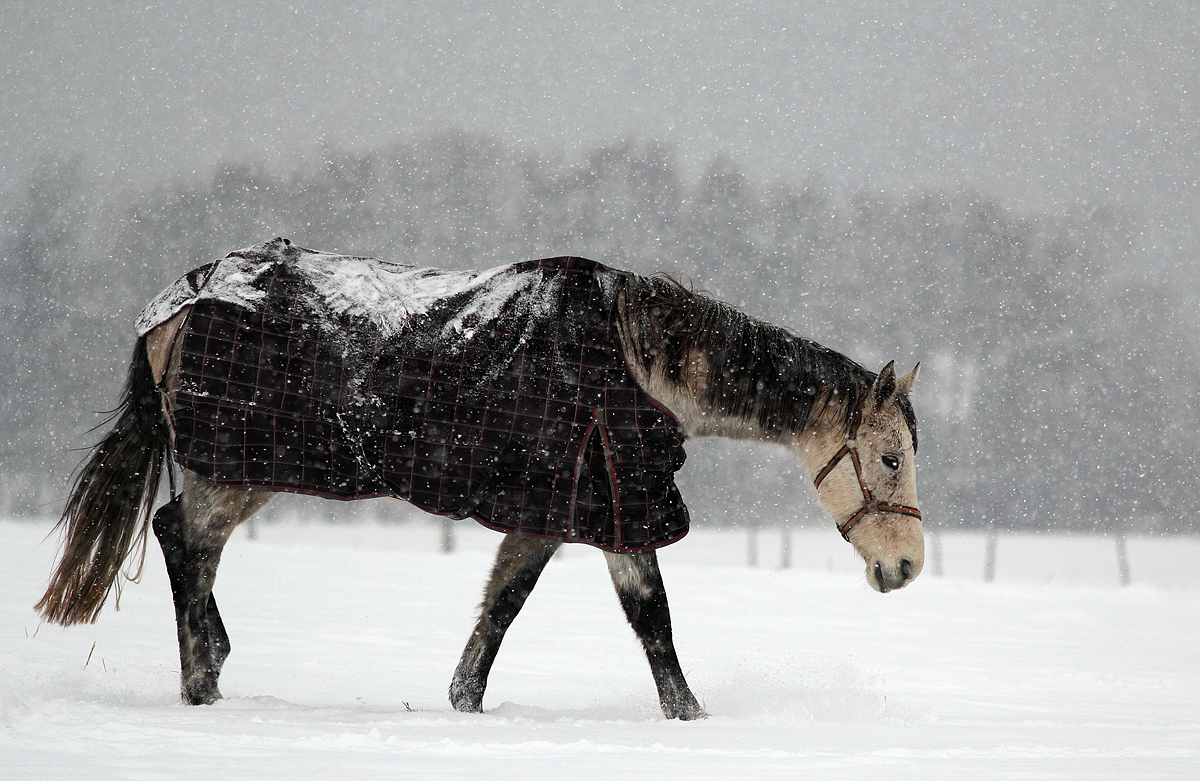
[
  {"x": 892, "y": 544},
  {"x": 872, "y": 490}
]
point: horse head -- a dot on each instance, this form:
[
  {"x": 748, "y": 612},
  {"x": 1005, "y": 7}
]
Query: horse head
[{"x": 865, "y": 476}]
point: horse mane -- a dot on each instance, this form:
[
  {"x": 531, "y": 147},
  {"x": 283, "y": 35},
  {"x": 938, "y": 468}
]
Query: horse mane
[{"x": 755, "y": 371}]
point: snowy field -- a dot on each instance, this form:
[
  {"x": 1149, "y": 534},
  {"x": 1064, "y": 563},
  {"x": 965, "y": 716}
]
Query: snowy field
[{"x": 344, "y": 640}]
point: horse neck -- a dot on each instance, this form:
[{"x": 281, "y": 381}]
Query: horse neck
[{"x": 723, "y": 373}]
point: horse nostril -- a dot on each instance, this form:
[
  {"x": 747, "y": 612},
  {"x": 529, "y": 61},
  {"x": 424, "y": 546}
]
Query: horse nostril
[{"x": 905, "y": 570}]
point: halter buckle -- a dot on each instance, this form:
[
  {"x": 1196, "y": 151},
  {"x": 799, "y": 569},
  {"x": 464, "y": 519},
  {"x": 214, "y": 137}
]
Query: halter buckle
[{"x": 870, "y": 504}]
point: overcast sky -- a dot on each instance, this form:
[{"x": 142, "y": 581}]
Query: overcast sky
[{"x": 1039, "y": 103}]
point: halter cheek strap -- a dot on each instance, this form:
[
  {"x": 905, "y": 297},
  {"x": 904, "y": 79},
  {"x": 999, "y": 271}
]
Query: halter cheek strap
[{"x": 870, "y": 503}]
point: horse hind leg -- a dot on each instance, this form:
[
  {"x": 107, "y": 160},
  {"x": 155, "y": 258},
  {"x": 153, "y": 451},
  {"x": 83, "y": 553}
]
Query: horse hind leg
[
  {"x": 201, "y": 650},
  {"x": 192, "y": 530},
  {"x": 639, "y": 586},
  {"x": 519, "y": 564}
]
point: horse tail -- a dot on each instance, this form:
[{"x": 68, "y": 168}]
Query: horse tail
[{"x": 107, "y": 514}]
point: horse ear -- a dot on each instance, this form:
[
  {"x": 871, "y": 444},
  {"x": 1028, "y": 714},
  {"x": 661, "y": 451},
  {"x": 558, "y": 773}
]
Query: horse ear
[
  {"x": 885, "y": 385},
  {"x": 905, "y": 384}
]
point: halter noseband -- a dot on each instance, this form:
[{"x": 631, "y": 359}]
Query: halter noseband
[{"x": 870, "y": 503}]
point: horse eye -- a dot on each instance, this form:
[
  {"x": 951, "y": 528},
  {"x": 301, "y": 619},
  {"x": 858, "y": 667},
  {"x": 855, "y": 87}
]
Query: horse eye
[{"x": 891, "y": 462}]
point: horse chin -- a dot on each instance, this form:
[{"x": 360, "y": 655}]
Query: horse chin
[{"x": 893, "y": 547}]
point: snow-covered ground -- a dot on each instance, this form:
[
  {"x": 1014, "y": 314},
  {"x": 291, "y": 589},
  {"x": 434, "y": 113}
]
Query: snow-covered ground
[{"x": 344, "y": 640}]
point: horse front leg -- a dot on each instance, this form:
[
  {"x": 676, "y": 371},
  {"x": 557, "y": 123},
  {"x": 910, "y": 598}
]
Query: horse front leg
[
  {"x": 639, "y": 586},
  {"x": 519, "y": 563},
  {"x": 192, "y": 530}
]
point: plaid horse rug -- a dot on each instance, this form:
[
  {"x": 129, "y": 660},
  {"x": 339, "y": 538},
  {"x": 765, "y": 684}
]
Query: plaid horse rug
[{"x": 500, "y": 395}]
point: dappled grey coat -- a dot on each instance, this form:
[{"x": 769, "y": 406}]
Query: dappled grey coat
[{"x": 499, "y": 395}]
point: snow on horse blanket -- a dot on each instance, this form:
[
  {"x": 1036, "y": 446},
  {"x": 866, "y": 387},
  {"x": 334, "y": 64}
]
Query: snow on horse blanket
[{"x": 500, "y": 395}]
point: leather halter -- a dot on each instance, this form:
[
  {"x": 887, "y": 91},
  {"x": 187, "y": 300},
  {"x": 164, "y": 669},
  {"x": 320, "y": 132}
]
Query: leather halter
[{"x": 870, "y": 503}]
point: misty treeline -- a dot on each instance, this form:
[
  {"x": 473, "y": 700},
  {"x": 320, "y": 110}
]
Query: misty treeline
[{"x": 1057, "y": 389}]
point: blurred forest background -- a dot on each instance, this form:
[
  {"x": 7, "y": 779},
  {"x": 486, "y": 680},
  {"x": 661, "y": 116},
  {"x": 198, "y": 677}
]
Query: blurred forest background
[{"x": 1058, "y": 387}]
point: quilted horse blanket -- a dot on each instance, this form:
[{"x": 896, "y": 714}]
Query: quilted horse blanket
[{"x": 500, "y": 395}]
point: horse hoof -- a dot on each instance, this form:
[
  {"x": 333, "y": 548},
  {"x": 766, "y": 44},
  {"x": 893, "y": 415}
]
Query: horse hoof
[
  {"x": 201, "y": 692},
  {"x": 466, "y": 697},
  {"x": 684, "y": 710},
  {"x": 691, "y": 714}
]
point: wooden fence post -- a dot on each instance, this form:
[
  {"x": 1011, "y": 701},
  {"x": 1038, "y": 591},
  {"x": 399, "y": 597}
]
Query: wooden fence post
[
  {"x": 935, "y": 549},
  {"x": 989, "y": 561},
  {"x": 1123, "y": 559}
]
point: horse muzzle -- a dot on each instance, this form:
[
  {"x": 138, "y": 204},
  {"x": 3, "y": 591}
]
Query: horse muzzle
[
  {"x": 893, "y": 547},
  {"x": 884, "y": 579}
]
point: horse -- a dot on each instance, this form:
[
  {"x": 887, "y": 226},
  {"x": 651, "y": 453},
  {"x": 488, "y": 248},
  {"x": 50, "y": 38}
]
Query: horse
[{"x": 648, "y": 364}]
